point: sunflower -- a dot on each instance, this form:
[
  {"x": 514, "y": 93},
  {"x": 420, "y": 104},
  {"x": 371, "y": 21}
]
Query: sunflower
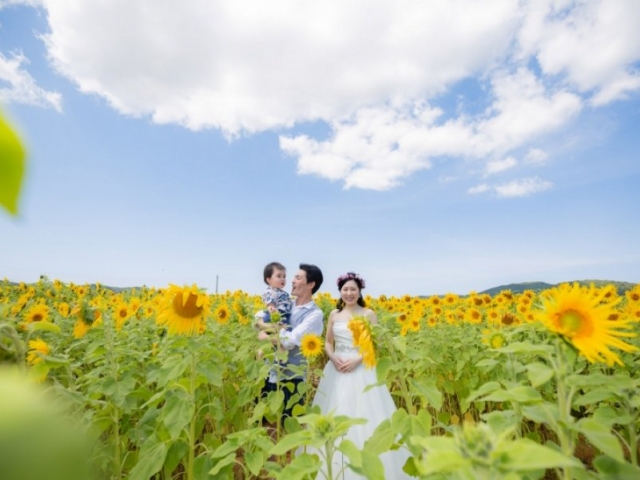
[
  {"x": 508, "y": 319},
  {"x": 222, "y": 315},
  {"x": 493, "y": 338},
  {"x": 240, "y": 309},
  {"x": 609, "y": 293},
  {"x": 473, "y": 316},
  {"x": 508, "y": 294},
  {"x": 183, "y": 310},
  {"x": 80, "y": 329},
  {"x": 86, "y": 317},
  {"x": 37, "y": 313},
  {"x": 64, "y": 309},
  {"x": 475, "y": 301},
  {"x": 311, "y": 345},
  {"x": 134, "y": 305},
  {"x": 493, "y": 316},
  {"x": 633, "y": 295},
  {"x": 580, "y": 317},
  {"x": 633, "y": 312},
  {"x": 450, "y": 298},
  {"x": 363, "y": 339},
  {"x": 411, "y": 325},
  {"x": 121, "y": 313},
  {"x": 523, "y": 308},
  {"x": 37, "y": 348}
]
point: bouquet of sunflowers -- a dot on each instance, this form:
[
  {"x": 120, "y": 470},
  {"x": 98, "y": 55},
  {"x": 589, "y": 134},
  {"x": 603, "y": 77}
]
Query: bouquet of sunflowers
[{"x": 363, "y": 339}]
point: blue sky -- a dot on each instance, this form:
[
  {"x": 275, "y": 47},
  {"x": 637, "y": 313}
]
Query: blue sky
[{"x": 430, "y": 150}]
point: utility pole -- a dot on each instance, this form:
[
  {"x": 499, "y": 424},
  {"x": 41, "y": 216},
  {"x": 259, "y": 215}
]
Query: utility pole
[{"x": 216, "y": 284}]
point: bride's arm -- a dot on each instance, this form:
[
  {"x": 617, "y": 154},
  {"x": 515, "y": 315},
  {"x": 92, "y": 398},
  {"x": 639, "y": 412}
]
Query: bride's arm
[
  {"x": 371, "y": 316},
  {"x": 329, "y": 340}
]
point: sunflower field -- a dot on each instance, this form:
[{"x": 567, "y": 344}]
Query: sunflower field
[{"x": 165, "y": 384}]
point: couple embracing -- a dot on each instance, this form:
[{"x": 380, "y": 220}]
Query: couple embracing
[{"x": 341, "y": 390}]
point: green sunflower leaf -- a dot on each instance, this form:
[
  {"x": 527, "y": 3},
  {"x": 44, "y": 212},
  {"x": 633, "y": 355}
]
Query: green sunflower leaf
[{"x": 12, "y": 166}]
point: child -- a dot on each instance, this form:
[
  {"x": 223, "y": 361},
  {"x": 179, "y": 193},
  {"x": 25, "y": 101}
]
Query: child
[{"x": 277, "y": 302}]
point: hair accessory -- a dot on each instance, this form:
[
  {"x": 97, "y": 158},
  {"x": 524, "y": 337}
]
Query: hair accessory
[{"x": 351, "y": 276}]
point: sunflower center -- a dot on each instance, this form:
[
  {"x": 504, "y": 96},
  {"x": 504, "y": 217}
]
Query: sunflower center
[
  {"x": 574, "y": 323},
  {"x": 188, "y": 309},
  {"x": 497, "y": 341},
  {"x": 37, "y": 317}
]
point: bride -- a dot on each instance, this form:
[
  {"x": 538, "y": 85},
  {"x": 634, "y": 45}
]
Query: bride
[{"x": 342, "y": 387}]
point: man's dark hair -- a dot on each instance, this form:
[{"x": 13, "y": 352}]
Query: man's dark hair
[
  {"x": 314, "y": 274},
  {"x": 268, "y": 270}
]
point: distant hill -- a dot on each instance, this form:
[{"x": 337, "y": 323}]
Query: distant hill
[
  {"x": 519, "y": 287},
  {"x": 622, "y": 287}
]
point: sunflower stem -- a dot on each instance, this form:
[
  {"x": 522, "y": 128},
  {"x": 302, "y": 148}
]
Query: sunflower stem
[
  {"x": 631, "y": 431},
  {"x": 108, "y": 335},
  {"x": 192, "y": 425},
  {"x": 565, "y": 436},
  {"x": 401, "y": 381},
  {"x": 633, "y": 443}
]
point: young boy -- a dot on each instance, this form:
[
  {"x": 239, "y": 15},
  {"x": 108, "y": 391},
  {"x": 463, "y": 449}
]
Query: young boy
[{"x": 278, "y": 303}]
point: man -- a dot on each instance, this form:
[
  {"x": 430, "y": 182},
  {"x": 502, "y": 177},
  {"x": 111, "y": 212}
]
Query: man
[{"x": 306, "y": 317}]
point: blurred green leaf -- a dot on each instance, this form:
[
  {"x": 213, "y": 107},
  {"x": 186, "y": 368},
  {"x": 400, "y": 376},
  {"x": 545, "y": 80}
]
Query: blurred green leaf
[
  {"x": 524, "y": 454},
  {"x": 372, "y": 466},
  {"x": 12, "y": 166},
  {"x": 301, "y": 467},
  {"x": 539, "y": 373},
  {"x": 382, "y": 438},
  {"x": 425, "y": 388},
  {"x": 177, "y": 413},
  {"x": 611, "y": 469},
  {"x": 150, "y": 461},
  {"x": 601, "y": 437},
  {"x": 222, "y": 463},
  {"x": 43, "y": 326}
]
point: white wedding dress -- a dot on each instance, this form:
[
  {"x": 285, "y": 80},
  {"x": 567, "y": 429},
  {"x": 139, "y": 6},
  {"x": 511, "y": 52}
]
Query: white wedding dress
[{"x": 343, "y": 394}]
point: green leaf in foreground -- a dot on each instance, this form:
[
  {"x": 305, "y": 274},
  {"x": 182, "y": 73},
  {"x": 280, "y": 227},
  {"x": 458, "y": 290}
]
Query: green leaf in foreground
[
  {"x": 524, "y": 454},
  {"x": 151, "y": 460},
  {"x": 12, "y": 166}
]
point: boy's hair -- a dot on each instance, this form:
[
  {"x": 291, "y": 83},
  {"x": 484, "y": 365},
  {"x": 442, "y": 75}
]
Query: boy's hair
[
  {"x": 270, "y": 268},
  {"x": 314, "y": 274}
]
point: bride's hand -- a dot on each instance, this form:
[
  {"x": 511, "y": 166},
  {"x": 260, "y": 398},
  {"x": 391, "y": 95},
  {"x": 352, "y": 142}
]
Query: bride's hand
[
  {"x": 337, "y": 362},
  {"x": 350, "y": 364}
]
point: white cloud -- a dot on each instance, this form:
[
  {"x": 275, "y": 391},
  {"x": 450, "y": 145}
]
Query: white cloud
[
  {"x": 536, "y": 156},
  {"x": 372, "y": 71},
  {"x": 594, "y": 44},
  {"x": 247, "y": 66},
  {"x": 378, "y": 147},
  {"x": 523, "y": 187},
  {"x": 22, "y": 86},
  {"x": 482, "y": 188},
  {"x": 497, "y": 166}
]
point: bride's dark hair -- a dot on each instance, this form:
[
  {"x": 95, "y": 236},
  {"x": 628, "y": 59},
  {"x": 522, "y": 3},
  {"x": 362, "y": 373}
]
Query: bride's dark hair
[{"x": 344, "y": 278}]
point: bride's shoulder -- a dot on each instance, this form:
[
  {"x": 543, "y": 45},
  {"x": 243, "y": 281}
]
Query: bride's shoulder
[{"x": 370, "y": 314}]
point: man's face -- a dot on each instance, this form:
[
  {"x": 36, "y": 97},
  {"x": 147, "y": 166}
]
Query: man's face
[{"x": 299, "y": 284}]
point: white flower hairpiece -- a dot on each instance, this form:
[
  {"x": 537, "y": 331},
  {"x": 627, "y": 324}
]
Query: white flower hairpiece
[{"x": 351, "y": 276}]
